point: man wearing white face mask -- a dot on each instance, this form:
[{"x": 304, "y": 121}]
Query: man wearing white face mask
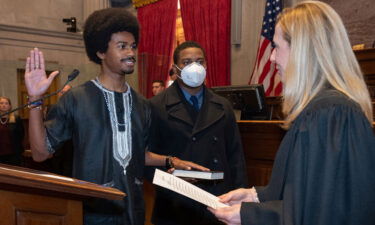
[{"x": 192, "y": 123}]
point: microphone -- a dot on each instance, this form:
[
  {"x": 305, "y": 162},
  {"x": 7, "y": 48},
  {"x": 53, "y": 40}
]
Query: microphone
[{"x": 71, "y": 77}]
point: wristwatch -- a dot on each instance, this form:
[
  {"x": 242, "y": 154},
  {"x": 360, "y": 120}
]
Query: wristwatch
[{"x": 169, "y": 162}]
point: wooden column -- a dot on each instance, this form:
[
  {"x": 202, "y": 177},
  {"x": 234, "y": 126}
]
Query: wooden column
[{"x": 89, "y": 6}]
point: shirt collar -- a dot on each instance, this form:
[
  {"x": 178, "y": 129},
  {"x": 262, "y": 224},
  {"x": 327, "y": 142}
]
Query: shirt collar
[{"x": 199, "y": 96}]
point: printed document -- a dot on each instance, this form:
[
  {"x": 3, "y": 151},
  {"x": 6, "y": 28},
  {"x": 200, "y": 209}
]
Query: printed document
[{"x": 187, "y": 189}]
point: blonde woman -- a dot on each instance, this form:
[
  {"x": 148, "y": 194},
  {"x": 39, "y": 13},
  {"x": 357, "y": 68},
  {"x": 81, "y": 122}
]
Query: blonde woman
[
  {"x": 11, "y": 135},
  {"x": 324, "y": 172}
]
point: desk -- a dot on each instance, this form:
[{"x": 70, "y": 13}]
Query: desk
[
  {"x": 29, "y": 197},
  {"x": 260, "y": 140}
]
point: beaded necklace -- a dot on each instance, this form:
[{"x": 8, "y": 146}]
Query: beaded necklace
[{"x": 4, "y": 122}]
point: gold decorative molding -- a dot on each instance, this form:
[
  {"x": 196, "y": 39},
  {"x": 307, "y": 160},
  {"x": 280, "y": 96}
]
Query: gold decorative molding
[{"x": 141, "y": 3}]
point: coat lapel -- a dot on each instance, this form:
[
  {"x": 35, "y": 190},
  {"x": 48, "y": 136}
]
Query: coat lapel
[
  {"x": 212, "y": 110},
  {"x": 175, "y": 106}
]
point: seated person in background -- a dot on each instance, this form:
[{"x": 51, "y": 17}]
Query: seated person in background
[
  {"x": 324, "y": 171},
  {"x": 157, "y": 87},
  {"x": 11, "y": 135},
  {"x": 172, "y": 77},
  {"x": 193, "y": 123}
]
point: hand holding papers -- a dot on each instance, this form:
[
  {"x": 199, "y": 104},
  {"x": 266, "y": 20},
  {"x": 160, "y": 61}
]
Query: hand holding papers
[{"x": 182, "y": 187}]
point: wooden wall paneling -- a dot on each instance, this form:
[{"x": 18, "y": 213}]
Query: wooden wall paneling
[
  {"x": 366, "y": 59},
  {"x": 260, "y": 140}
]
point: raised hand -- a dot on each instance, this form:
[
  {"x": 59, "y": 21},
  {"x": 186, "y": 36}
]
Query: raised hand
[{"x": 36, "y": 79}]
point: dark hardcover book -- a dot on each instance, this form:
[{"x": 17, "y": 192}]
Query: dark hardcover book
[{"x": 207, "y": 175}]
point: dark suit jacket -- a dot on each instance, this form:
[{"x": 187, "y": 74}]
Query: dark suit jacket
[{"x": 212, "y": 141}]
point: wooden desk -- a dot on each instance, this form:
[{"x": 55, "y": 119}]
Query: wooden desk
[
  {"x": 366, "y": 60},
  {"x": 29, "y": 197},
  {"x": 260, "y": 140}
]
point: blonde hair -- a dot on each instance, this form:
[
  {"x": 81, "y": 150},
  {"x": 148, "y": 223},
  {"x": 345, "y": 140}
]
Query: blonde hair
[
  {"x": 12, "y": 117},
  {"x": 320, "y": 55}
]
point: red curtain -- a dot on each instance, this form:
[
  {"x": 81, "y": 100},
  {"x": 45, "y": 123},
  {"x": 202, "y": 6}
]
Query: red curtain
[
  {"x": 208, "y": 23},
  {"x": 157, "y": 35}
]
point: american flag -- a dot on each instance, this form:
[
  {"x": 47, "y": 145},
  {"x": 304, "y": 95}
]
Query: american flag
[{"x": 264, "y": 71}]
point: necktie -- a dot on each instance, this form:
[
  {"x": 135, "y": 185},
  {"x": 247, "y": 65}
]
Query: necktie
[{"x": 194, "y": 100}]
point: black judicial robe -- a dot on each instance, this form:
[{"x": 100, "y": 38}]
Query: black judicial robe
[
  {"x": 81, "y": 115},
  {"x": 324, "y": 171}
]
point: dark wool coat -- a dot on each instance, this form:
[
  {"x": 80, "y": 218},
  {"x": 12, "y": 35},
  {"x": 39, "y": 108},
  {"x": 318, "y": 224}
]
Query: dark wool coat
[{"x": 213, "y": 141}]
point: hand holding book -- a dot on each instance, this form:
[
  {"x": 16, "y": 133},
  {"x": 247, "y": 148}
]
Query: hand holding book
[{"x": 186, "y": 165}]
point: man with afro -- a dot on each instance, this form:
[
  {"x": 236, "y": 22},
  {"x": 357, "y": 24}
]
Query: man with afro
[{"x": 106, "y": 119}]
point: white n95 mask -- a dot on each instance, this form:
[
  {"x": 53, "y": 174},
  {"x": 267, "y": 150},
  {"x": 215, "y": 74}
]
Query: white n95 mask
[{"x": 193, "y": 75}]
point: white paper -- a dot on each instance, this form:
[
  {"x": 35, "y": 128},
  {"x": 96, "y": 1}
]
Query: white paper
[{"x": 187, "y": 189}]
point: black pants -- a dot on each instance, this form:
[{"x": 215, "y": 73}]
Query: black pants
[{"x": 104, "y": 219}]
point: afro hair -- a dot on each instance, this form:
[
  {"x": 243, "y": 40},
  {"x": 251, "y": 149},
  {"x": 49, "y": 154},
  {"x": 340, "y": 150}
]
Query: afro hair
[{"x": 100, "y": 26}]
